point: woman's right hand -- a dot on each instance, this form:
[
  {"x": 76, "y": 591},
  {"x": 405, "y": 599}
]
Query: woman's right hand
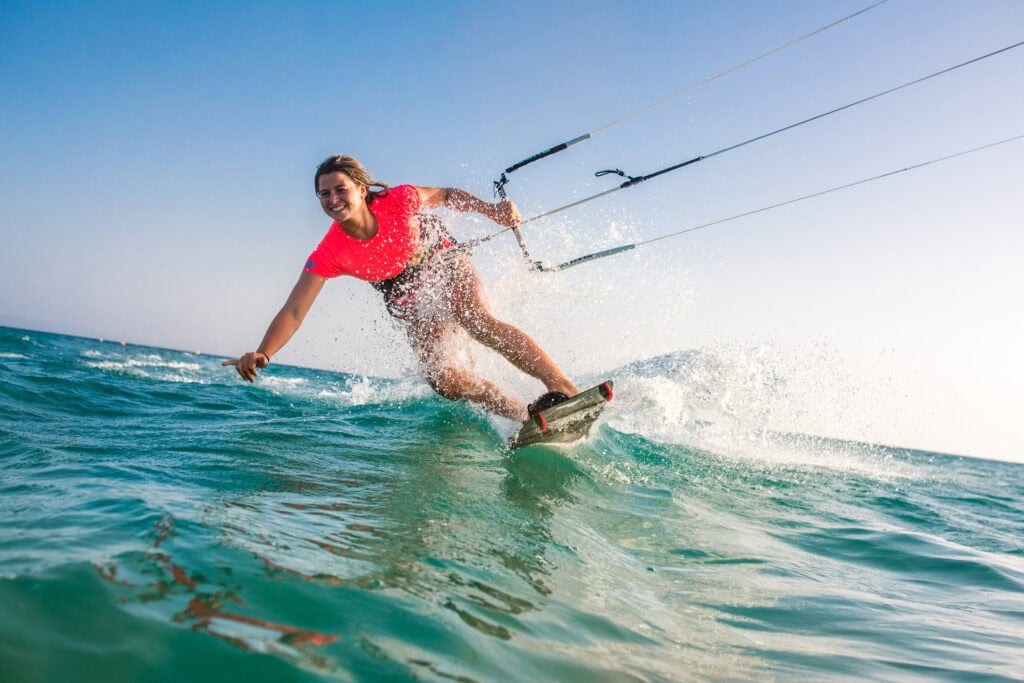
[
  {"x": 248, "y": 363},
  {"x": 505, "y": 213}
]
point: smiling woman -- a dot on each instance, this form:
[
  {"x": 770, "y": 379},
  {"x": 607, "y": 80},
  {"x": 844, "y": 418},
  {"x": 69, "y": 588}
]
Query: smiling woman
[{"x": 379, "y": 235}]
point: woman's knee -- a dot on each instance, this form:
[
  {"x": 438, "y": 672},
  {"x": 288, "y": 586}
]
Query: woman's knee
[
  {"x": 482, "y": 326},
  {"x": 447, "y": 383}
]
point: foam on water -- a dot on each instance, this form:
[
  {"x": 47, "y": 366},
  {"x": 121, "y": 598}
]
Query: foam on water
[
  {"x": 147, "y": 365},
  {"x": 755, "y": 403},
  {"x": 346, "y": 390}
]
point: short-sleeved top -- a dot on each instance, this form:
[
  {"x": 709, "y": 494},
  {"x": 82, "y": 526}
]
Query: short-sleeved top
[{"x": 384, "y": 255}]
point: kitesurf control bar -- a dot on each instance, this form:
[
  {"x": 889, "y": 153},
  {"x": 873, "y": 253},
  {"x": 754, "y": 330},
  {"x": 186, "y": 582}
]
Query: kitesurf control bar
[
  {"x": 499, "y": 185},
  {"x": 589, "y": 257},
  {"x": 548, "y": 152},
  {"x": 469, "y": 246}
]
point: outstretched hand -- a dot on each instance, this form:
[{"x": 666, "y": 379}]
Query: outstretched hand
[
  {"x": 506, "y": 213},
  {"x": 248, "y": 363}
]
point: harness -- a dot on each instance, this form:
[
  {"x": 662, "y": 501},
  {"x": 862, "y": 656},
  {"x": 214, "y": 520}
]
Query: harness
[{"x": 400, "y": 290}]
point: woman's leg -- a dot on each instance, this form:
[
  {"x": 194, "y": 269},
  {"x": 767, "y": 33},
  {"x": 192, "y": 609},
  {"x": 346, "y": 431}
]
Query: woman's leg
[
  {"x": 471, "y": 310},
  {"x": 453, "y": 382}
]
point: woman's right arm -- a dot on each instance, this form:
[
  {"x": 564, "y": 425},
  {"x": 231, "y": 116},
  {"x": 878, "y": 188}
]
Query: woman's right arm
[
  {"x": 503, "y": 213},
  {"x": 284, "y": 325}
]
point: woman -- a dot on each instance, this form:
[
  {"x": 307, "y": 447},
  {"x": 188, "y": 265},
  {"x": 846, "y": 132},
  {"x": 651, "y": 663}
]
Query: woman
[{"x": 379, "y": 235}]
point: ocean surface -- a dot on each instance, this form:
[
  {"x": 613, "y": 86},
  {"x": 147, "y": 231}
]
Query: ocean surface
[{"x": 161, "y": 520}]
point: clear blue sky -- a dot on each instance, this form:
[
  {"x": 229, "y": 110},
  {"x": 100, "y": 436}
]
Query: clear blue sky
[{"x": 156, "y": 163}]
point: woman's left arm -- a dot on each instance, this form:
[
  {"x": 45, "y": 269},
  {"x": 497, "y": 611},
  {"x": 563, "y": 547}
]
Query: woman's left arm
[{"x": 503, "y": 213}]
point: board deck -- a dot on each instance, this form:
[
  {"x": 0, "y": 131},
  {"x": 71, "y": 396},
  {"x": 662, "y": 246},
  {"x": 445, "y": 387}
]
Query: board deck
[{"x": 566, "y": 421}]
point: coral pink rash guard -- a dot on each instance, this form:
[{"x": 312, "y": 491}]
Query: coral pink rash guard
[{"x": 384, "y": 255}]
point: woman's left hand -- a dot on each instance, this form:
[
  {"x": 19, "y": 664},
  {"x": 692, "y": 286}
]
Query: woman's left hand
[{"x": 505, "y": 213}]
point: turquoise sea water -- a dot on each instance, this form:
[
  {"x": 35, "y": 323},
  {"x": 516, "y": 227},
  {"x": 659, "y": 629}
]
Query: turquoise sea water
[{"x": 161, "y": 520}]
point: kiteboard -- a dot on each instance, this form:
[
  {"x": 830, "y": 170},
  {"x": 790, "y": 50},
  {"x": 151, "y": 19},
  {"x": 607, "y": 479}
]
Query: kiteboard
[{"x": 566, "y": 421}]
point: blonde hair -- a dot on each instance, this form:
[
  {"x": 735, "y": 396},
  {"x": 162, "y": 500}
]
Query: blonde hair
[{"x": 354, "y": 170}]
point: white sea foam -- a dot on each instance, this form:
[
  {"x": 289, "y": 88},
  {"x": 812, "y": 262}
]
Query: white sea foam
[
  {"x": 280, "y": 383},
  {"x": 149, "y": 365},
  {"x": 348, "y": 390},
  {"x": 757, "y": 403}
]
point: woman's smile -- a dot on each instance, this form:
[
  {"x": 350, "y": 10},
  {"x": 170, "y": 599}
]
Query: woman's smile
[{"x": 340, "y": 196}]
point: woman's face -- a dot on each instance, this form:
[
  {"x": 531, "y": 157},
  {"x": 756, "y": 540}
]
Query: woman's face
[{"x": 340, "y": 196}]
